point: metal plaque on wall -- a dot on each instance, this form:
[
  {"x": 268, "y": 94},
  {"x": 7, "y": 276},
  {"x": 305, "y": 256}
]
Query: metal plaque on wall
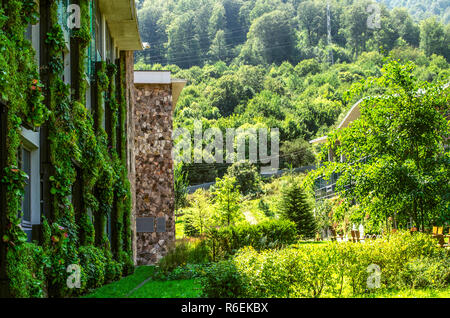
[
  {"x": 160, "y": 224},
  {"x": 145, "y": 225}
]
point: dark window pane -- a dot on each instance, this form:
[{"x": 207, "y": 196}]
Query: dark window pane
[{"x": 26, "y": 203}]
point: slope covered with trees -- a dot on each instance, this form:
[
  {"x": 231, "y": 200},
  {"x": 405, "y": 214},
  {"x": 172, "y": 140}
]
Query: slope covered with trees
[
  {"x": 195, "y": 32},
  {"x": 272, "y": 63},
  {"x": 423, "y": 9}
]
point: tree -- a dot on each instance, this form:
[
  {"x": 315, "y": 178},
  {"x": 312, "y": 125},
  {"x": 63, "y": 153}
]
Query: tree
[
  {"x": 396, "y": 163},
  {"x": 226, "y": 94},
  {"x": 227, "y": 199},
  {"x": 247, "y": 176},
  {"x": 313, "y": 19},
  {"x": 180, "y": 51},
  {"x": 218, "y": 50},
  {"x": 197, "y": 217},
  {"x": 407, "y": 29},
  {"x": 356, "y": 30},
  {"x": 433, "y": 38},
  {"x": 294, "y": 207},
  {"x": 296, "y": 153},
  {"x": 271, "y": 38}
]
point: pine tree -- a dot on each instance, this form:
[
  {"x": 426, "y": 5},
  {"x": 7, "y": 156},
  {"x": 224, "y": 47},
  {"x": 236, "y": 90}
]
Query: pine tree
[{"x": 295, "y": 207}]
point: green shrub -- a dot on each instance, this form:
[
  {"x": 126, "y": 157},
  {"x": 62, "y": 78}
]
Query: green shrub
[
  {"x": 189, "y": 226},
  {"x": 198, "y": 216},
  {"x": 188, "y": 271},
  {"x": 426, "y": 272},
  {"x": 93, "y": 262},
  {"x": 267, "y": 234},
  {"x": 127, "y": 263},
  {"x": 222, "y": 280},
  {"x": 113, "y": 270},
  {"x": 333, "y": 270},
  {"x": 184, "y": 252},
  {"x": 25, "y": 270},
  {"x": 265, "y": 208},
  {"x": 247, "y": 177}
]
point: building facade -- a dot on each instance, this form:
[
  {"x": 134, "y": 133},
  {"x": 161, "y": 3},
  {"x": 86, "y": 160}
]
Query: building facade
[{"x": 66, "y": 135}]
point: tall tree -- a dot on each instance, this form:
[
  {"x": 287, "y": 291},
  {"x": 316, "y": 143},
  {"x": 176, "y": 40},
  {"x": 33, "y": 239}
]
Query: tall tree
[
  {"x": 313, "y": 20},
  {"x": 395, "y": 157},
  {"x": 272, "y": 38},
  {"x": 227, "y": 199},
  {"x": 407, "y": 29},
  {"x": 294, "y": 207},
  {"x": 433, "y": 38},
  {"x": 183, "y": 47},
  {"x": 218, "y": 50}
]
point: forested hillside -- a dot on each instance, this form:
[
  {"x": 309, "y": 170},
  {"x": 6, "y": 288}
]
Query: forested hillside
[
  {"x": 194, "y": 32},
  {"x": 422, "y": 9},
  {"x": 271, "y": 63}
]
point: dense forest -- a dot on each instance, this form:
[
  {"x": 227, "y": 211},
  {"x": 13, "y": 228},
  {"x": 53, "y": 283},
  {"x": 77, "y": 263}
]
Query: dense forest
[
  {"x": 195, "y": 32},
  {"x": 273, "y": 63},
  {"x": 422, "y": 9}
]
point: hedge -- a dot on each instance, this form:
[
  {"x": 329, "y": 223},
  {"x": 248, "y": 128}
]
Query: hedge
[{"x": 331, "y": 270}]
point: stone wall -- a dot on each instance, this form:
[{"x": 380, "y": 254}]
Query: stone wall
[{"x": 155, "y": 222}]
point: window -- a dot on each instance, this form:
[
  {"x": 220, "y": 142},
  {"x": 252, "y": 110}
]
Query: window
[
  {"x": 98, "y": 33},
  {"x": 29, "y": 162},
  {"x": 26, "y": 202},
  {"x": 109, "y": 46},
  {"x": 88, "y": 96},
  {"x": 67, "y": 71},
  {"x": 32, "y": 35},
  {"x": 91, "y": 50},
  {"x": 28, "y": 32}
]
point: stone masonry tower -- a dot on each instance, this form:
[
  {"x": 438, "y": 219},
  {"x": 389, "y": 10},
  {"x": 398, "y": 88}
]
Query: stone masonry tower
[{"x": 156, "y": 95}]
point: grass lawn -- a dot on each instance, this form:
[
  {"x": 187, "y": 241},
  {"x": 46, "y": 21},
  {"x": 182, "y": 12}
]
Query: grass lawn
[
  {"x": 140, "y": 285},
  {"x": 137, "y": 286}
]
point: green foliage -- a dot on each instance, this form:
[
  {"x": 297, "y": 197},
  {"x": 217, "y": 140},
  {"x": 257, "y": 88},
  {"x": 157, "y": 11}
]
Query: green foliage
[
  {"x": 263, "y": 206},
  {"x": 266, "y": 32},
  {"x": 401, "y": 178},
  {"x": 227, "y": 199},
  {"x": 183, "y": 253},
  {"x": 25, "y": 270},
  {"x": 296, "y": 153},
  {"x": 199, "y": 216},
  {"x": 74, "y": 139},
  {"x": 304, "y": 100},
  {"x": 247, "y": 177},
  {"x": 93, "y": 263},
  {"x": 327, "y": 270},
  {"x": 180, "y": 187},
  {"x": 427, "y": 272},
  {"x": 127, "y": 263},
  {"x": 226, "y": 241},
  {"x": 294, "y": 207},
  {"x": 222, "y": 280}
]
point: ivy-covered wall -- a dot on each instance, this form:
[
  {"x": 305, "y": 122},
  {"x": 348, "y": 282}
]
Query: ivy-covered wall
[{"x": 80, "y": 152}]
